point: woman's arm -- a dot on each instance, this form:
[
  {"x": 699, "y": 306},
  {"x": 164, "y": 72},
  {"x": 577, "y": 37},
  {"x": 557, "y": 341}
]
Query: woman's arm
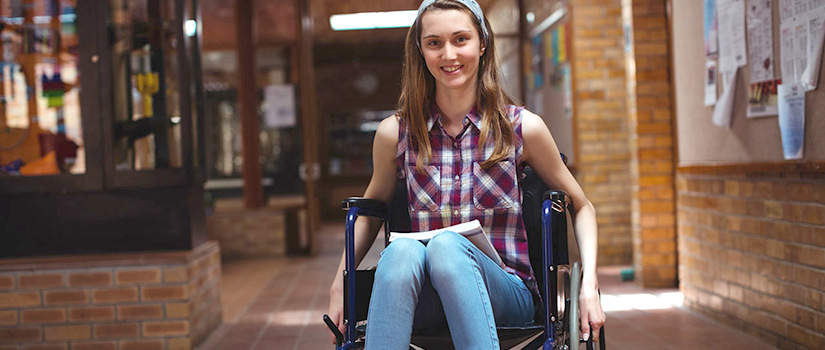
[
  {"x": 541, "y": 152},
  {"x": 381, "y": 187}
]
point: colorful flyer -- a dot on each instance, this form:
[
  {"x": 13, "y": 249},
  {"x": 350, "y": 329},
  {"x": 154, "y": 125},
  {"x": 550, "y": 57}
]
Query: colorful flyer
[
  {"x": 762, "y": 99},
  {"x": 711, "y": 29}
]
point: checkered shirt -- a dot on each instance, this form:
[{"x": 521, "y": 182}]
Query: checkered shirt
[{"x": 455, "y": 188}]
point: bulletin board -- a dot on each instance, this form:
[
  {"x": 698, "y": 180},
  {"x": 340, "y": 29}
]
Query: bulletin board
[
  {"x": 748, "y": 140},
  {"x": 548, "y": 81}
]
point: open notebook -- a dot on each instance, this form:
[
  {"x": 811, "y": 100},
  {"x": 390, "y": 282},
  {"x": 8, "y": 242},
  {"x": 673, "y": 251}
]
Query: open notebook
[{"x": 472, "y": 230}]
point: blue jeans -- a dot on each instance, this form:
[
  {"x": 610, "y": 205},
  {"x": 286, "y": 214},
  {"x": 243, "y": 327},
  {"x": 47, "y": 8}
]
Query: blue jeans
[{"x": 447, "y": 282}]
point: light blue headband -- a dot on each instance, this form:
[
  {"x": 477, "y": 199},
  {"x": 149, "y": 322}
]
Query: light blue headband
[{"x": 470, "y": 4}]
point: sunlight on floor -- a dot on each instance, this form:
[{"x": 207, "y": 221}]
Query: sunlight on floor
[
  {"x": 294, "y": 318},
  {"x": 642, "y": 301}
]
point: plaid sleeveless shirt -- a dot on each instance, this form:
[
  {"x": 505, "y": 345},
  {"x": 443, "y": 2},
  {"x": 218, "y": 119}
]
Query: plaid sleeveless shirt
[{"x": 455, "y": 188}]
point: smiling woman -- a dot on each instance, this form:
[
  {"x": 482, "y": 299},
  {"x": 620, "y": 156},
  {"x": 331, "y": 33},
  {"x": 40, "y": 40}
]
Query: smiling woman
[{"x": 459, "y": 143}]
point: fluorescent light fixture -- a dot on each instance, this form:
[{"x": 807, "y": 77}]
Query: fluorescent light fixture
[
  {"x": 373, "y": 20},
  {"x": 190, "y": 27}
]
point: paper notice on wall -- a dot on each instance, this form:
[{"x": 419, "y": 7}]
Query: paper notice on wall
[
  {"x": 787, "y": 54},
  {"x": 800, "y": 48},
  {"x": 800, "y": 7},
  {"x": 792, "y": 120},
  {"x": 760, "y": 40},
  {"x": 710, "y": 82},
  {"x": 816, "y": 38},
  {"x": 724, "y": 106},
  {"x": 537, "y": 102},
  {"x": 786, "y": 10},
  {"x": 762, "y": 99},
  {"x": 731, "y": 32},
  {"x": 279, "y": 106},
  {"x": 802, "y": 34}
]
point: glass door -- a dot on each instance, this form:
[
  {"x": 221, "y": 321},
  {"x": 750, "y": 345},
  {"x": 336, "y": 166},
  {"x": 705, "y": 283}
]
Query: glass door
[
  {"x": 47, "y": 122},
  {"x": 149, "y": 94}
]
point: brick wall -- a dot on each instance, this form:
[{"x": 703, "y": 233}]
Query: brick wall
[
  {"x": 651, "y": 141},
  {"x": 752, "y": 252},
  {"x": 249, "y": 233},
  {"x": 259, "y": 232},
  {"x": 160, "y": 301},
  {"x": 601, "y": 122}
]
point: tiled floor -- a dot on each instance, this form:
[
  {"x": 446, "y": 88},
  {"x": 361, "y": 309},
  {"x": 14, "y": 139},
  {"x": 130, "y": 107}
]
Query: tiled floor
[{"x": 278, "y": 304}]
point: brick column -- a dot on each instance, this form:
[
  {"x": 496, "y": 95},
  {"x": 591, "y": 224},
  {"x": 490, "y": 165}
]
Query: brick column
[
  {"x": 600, "y": 122},
  {"x": 148, "y": 301},
  {"x": 651, "y": 129}
]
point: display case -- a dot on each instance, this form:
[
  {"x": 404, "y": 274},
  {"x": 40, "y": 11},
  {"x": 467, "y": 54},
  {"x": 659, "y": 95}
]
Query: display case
[
  {"x": 99, "y": 109},
  {"x": 350, "y": 143},
  {"x": 348, "y": 156},
  {"x": 47, "y": 139}
]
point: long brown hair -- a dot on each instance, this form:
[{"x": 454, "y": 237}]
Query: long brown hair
[{"x": 418, "y": 93}]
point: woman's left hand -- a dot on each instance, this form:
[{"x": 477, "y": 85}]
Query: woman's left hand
[{"x": 590, "y": 309}]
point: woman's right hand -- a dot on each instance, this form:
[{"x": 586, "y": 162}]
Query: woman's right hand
[{"x": 336, "y": 306}]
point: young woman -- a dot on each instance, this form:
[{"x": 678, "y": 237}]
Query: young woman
[{"x": 458, "y": 143}]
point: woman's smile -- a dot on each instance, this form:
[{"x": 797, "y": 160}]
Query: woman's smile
[{"x": 452, "y": 69}]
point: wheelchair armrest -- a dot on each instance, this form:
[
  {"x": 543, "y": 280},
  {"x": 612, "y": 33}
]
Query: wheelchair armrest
[
  {"x": 370, "y": 207},
  {"x": 558, "y": 195}
]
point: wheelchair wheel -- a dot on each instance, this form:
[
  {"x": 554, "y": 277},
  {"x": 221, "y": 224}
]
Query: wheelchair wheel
[{"x": 573, "y": 341}]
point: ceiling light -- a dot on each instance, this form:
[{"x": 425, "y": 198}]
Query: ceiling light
[{"x": 372, "y": 20}]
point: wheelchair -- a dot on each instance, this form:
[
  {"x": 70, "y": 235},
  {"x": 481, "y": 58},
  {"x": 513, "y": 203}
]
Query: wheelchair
[{"x": 545, "y": 214}]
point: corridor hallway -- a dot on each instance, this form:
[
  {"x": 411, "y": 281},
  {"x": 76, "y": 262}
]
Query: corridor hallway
[{"x": 278, "y": 304}]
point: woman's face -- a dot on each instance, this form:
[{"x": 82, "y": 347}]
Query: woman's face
[{"x": 451, "y": 48}]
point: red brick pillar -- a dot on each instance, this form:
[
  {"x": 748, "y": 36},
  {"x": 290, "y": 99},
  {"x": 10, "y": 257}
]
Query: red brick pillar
[
  {"x": 651, "y": 128},
  {"x": 600, "y": 122}
]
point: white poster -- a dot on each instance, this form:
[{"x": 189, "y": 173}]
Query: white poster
[
  {"x": 537, "y": 102},
  {"x": 802, "y": 36},
  {"x": 792, "y": 120},
  {"x": 760, "y": 40},
  {"x": 710, "y": 82},
  {"x": 279, "y": 106},
  {"x": 816, "y": 37},
  {"x": 800, "y": 7},
  {"x": 733, "y": 54},
  {"x": 800, "y": 48},
  {"x": 787, "y": 53},
  {"x": 786, "y": 11},
  {"x": 724, "y": 106}
]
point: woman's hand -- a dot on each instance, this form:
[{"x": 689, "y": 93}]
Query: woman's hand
[
  {"x": 590, "y": 309},
  {"x": 336, "y": 306}
]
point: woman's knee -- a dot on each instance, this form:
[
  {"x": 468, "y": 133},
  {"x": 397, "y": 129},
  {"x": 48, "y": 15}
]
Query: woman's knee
[
  {"x": 403, "y": 259},
  {"x": 445, "y": 252},
  {"x": 447, "y": 243}
]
